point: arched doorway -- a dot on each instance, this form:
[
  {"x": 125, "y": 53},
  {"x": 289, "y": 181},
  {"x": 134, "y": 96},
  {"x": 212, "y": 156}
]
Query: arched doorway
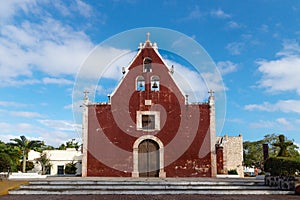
[
  {"x": 155, "y": 143},
  {"x": 148, "y": 159}
]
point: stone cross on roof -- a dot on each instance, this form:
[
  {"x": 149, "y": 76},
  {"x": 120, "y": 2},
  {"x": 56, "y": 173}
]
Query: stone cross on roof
[
  {"x": 211, "y": 92},
  {"x": 148, "y": 36},
  {"x": 86, "y": 94}
]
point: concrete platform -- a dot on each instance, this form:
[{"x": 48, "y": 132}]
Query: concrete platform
[{"x": 147, "y": 186}]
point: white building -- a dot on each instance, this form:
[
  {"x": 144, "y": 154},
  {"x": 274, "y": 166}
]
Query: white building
[{"x": 58, "y": 160}]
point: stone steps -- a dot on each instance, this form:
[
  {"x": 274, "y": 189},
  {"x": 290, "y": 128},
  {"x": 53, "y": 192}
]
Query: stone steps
[{"x": 85, "y": 187}]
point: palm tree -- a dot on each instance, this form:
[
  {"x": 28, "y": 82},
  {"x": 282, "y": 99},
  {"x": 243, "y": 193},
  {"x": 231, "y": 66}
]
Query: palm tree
[
  {"x": 25, "y": 146},
  {"x": 45, "y": 162}
]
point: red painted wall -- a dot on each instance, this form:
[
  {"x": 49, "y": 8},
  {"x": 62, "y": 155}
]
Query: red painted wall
[
  {"x": 220, "y": 160},
  {"x": 184, "y": 129}
]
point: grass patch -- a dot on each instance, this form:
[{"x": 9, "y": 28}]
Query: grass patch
[{"x": 6, "y": 185}]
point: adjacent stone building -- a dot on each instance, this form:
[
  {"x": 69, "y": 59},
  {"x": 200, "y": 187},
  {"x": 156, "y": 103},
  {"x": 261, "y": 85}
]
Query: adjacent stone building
[{"x": 230, "y": 154}]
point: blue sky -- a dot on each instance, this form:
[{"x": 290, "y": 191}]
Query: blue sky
[{"x": 44, "y": 43}]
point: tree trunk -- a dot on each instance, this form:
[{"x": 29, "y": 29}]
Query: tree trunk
[
  {"x": 43, "y": 169},
  {"x": 24, "y": 162}
]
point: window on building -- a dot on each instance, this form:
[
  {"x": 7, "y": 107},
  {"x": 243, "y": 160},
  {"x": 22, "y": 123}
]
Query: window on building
[
  {"x": 147, "y": 65},
  {"x": 140, "y": 83},
  {"x": 60, "y": 169},
  {"x": 154, "y": 83},
  {"x": 148, "y": 122}
]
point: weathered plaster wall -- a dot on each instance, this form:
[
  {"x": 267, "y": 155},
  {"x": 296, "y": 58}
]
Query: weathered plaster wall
[{"x": 232, "y": 153}]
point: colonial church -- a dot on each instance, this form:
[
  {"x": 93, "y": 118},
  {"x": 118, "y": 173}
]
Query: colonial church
[{"x": 148, "y": 127}]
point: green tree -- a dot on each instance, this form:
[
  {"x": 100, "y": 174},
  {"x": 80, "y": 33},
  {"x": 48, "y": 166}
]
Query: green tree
[
  {"x": 69, "y": 144},
  {"x": 40, "y": 148},
  {"x": 29, "y": 165},
  {"x": 5, "y": 162},
  {"x": 253, "y": 151},
  {"x": 9, "y": 157},
  {"x": 25, "y": 146},
  {"x": 253, "y": 155}
]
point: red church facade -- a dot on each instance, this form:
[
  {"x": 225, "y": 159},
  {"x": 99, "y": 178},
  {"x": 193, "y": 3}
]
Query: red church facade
[{"x": 148, "y": 128}]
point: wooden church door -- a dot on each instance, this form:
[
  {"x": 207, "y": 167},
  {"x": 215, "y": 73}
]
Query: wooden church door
[{"x": 148, "y": 159}]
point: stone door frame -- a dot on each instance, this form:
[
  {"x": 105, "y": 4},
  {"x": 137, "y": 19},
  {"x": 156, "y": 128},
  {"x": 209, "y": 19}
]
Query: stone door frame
[{"x": 135, "y": 172}]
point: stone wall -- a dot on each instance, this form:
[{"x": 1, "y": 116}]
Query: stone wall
[{"x": 232, "y": 153}]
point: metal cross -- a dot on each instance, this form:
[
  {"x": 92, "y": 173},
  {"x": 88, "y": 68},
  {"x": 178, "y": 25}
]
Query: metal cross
[{"x": 148, "y": 36}]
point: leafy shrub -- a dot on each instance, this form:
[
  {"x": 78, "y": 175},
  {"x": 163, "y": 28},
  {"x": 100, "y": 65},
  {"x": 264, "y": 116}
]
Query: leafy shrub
[
  {"x": 29, "y": 166},
  {"x": 71, "y": 168},
  {"x": 282, "y": 166},
  {"x": 5, "y": 162},
  {"x": 233, "y": 172}
]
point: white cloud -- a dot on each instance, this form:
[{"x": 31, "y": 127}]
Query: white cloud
[
  {"x": 280, "y": 124},
  {"x": 62, "y": 8},
  {"x": 226, "y": 67},
  {"x": 215, "y": 81},
  {"x": 290, "y": 48},
  {"x": 70, "y": 106},
  {"x": 235, "y": 48},
  {"x": 9, "y": 8},
  {"x": 219, "y": 14},
  {"x": 83, "y": 8},
  {"x": 235, "y": 120},
  {"x": 285, "y": 123},
  {"x": 264, "y": 28},
  {"x": 234, "y": 25},
  {"x": 282, "y": 74},
  {"x": 19, "y": 128},
  {"x": 33, "y": 132},
  {"x": 77, "y": 6},
  {"x": 195, "y": 13},
  {"x": 189, "y": 81},
  {"x": 76, "y": 106},
  {"x": 6, "y": 137},
  {"x": 60, "y": 125},
  {"x": 20, "y": 35},
  {"x": 22, "y": 54},
  {"x": 262, "y": 124},
  {"x": 29, "y": 46},
  {"x": 53, "y": 132},
  {"x": 56, "y": 138},
  {"x": 12, "y": 104},
  {"x": 25, "y": 114},
  {"x": 286, "y": 106},
  {"x": 14, "y": 82},
  {"x": 114, "y": 70},
  {"x": 263, "y": 107},
  {"x": 105, "y": 62},
  {"x": 59, "y": 81}
]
